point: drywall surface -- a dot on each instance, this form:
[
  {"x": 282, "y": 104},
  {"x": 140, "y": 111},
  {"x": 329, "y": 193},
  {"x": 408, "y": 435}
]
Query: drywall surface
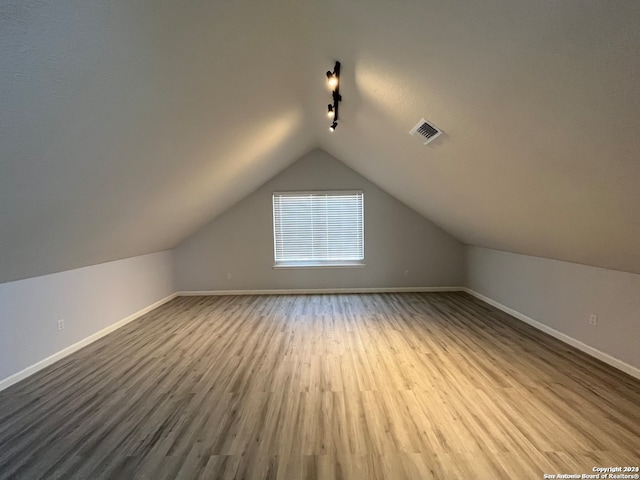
[
  {"x": 240, "y": 241},
  {"x": 516, "y": 86},
  {"x": 562, "y": 295},
  {"x": 125, "y": 125},
  {"x": 89, "y": 299}
]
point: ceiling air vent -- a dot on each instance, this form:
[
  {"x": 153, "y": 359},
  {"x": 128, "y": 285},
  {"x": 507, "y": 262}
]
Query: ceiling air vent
[{"x": 428, "y": 130}]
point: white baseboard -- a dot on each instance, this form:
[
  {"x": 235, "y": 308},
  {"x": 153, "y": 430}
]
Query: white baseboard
[
  {"x": 311, "y": 291},
  {"x": 22, "y": 374},
  {"x": 589, "y": 350},
  {"x": 614, "y": 362}
]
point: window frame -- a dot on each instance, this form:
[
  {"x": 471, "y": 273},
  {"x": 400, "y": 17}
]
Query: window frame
[{"x": 312, "y": 264}]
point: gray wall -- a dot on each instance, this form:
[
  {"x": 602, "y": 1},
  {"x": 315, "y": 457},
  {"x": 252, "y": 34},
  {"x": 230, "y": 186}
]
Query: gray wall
[
  {"x": 562, "y": 295},
  {"x": 240, "y": 241},
  {"x": 89, "y": 299}
]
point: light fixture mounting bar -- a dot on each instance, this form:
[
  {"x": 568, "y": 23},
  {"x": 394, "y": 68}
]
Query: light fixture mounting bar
[
  {"x": 337, "y": 98},
  {"x": 333, "y": 79}
]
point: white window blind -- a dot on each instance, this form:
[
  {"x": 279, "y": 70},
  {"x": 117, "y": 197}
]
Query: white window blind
[{"x": 318, "y": 228}]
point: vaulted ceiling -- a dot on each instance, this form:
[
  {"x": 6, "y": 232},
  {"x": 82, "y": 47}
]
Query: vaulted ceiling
[{"x": 126, "y": 126}]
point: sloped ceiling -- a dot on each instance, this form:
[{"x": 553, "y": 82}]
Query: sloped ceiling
[{"x": 126, "y": 126}]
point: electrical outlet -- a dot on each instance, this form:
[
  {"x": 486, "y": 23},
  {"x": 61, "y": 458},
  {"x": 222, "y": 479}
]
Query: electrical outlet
[
  {"x": 406, "y": 273},
  {"x": 593, "y": 320},
  {"x": 228, "y": 276},
  {"x": 61, "y": 324}
]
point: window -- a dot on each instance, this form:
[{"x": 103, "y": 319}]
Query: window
[{"x": 315, "y": 229}]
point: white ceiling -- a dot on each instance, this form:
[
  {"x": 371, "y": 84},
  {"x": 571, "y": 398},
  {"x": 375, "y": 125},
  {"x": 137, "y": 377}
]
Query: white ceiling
[{"x": 126, "y": 126}]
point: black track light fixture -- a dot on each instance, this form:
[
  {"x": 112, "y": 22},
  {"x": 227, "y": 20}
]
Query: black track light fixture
[{"x": 333, "y": 79}]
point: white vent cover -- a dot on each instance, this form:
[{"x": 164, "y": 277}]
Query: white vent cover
[{"x": 428, "y": 130}]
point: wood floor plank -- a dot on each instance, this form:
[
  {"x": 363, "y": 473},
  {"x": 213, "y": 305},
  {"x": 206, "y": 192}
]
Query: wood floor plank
[{"x": 378, "y": 386}]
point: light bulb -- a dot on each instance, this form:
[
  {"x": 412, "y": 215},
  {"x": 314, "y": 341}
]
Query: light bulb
[
  {"x": 330, "y": 112},
  {"x": 333, "y": 82}
]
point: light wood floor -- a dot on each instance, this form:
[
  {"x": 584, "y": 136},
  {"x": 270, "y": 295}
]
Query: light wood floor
[{"x": 393, "y": 386}]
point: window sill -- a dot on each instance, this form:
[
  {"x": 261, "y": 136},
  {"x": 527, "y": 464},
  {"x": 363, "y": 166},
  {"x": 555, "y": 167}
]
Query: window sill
[{"x": 303, "y": 265}]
